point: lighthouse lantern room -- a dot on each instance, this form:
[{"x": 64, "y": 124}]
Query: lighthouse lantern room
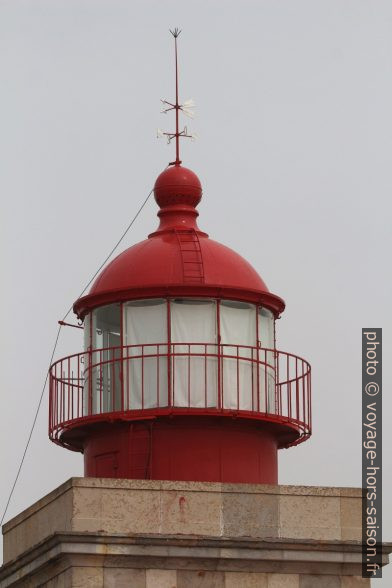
[{"x": 180, "y": 377}]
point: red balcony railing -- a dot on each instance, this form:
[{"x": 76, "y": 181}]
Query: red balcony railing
[{"x": 198, "y": 378}]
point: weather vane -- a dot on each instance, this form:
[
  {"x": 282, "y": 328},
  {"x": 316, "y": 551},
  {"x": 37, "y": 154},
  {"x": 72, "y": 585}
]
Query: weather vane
[{"x": 185, "y": 107}]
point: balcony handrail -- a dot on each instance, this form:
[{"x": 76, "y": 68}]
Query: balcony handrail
[
  {"x": 168, "y": 344},
  {"x": 72, "y": 403},
  {"x": 115, "y": 359}
]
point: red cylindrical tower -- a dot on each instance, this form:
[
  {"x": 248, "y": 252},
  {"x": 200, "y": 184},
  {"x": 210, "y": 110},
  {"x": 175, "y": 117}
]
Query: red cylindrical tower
[{"x": 180, "y": 378}]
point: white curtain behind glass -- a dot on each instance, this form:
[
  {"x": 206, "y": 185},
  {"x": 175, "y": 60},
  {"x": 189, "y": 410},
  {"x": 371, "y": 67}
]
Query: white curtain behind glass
[
  {"x": 266, "y": 373},
  {"x": 145, "y": 378},
  {"x": 238, "y": 327},
  {"x": 194, "y": 378},
  {"x": 105, "y": 357},
  {"x": 86, "y": 372}
]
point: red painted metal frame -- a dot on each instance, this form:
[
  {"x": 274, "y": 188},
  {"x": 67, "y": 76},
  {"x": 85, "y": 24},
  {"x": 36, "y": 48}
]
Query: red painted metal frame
[
  {"x": 67, "y": 391},
  {"x": 87, "y": 303}
]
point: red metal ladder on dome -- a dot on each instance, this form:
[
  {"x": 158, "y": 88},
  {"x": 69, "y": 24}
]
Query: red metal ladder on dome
[{"x": 192, "y": 259}]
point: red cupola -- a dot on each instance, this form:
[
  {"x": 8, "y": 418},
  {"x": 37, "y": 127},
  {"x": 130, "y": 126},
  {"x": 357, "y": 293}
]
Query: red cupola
[
  {"x": 178, "y": 258},
  {"x": 180, "y": 378},
  {"x": 177, "y": 185}
]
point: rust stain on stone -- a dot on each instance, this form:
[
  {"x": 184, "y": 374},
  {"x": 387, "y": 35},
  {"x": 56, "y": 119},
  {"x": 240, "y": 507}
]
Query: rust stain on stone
[{"x": 181, "y": 503}]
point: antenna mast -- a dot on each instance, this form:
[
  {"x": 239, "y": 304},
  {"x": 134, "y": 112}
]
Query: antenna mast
[
  {"x": 175, "y": 34},
  {"x": 185, "y": 108}
]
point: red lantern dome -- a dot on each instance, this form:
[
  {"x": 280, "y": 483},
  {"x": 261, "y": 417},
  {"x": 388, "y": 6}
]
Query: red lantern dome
[
  {"x": 180, "y": 377},
  {"x": 178, "y": 258}
]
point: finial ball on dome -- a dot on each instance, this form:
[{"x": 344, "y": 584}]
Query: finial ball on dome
[{"x": 177, "y": 185}]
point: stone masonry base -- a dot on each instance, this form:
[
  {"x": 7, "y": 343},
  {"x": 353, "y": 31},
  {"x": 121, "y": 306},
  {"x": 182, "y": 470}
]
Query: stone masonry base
[{"x": 93, "y": 533}]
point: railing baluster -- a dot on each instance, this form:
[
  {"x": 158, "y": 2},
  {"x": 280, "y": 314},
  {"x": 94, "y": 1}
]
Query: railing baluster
[
  {"x": 266, "y": 395},
  {"x": 56, "y": 398},
  {"x": 174, "y": 356},
  {"x": 62, "y": 413},
  {"x": 238, "y": 380},
  {"x": 158, "y": 378},
  {"x": 68, "y": 387},
  {"x": 303, "y": 390},
  {"x": 50, "y": 401},
  {"x": 205, "y": 375},
  {"x": 101, "y": 383},
  {"x": 296, "y": 389},
  {"x": 112, "y": 387},
  {"x": 277, "y": 387},
  {"x": 258, "y": 377},
  {"x": 78, "y": 403},
  {"x": 189, "y": 376},
  {"x": 121, "y": 373},
  {"x": 221, "y": 391},
  {"x": 288, "y": 387},
  {"x": 310, "y": 403},
  {"x": 72, "y": 396},
  {"x": 252, "y": 367},
  {"x": 170, "y": 369},
  {"x": 128, "y": 361},
  {"x": 90, "y": 382},
  {"x": 142, "y": 377}
]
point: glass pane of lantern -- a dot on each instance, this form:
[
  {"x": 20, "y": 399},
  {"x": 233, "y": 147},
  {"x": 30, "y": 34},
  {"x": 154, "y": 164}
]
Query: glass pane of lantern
[
  {"x": 238, "y": 338},
  {"x": 267, "y": 368},
  {"x": 104, "y": 391},
  {"x": 86, "y": 409},
  {"x": 87, "y": 331},
  {"x": 145, "y": 367},
  {"x": 266, "y": 328},
  {"x": 194, "y": 347}
]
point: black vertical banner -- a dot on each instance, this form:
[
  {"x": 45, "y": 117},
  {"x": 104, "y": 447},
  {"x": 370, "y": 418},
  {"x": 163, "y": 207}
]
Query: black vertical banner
[{"x": 372, "y": 453}]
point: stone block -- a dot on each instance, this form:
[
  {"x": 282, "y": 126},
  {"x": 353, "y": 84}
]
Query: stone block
[
  {"x": 245, "y": 580},
  {"x": 124, "y": 578},
  {"x": 309, "y": 517},
  {"x": 42, "y": 519},
  {"x": 63, "y": 580},
  {"x": 201, "y": 579},
  {"x": 356, "y": 582},
  {"x": 86, "y": 510},
  {"x": 351, "y": 519},
  {"x": 116, "y": 510},
  {"x": 283, "y": 581},
  {"x": 161, "y": 579},
  {"x": 250, "y": 515},
  {"x": 319, "y": 581},
  {"x": 131, "y": 512},
  {"x": 190, "y": 513},
  {"x": 87, "y": 577}
]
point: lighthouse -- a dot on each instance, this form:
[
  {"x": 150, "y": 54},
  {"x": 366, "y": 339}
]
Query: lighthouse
[
  {"x": 179, "y": 402},
  {"x": 180, "y": 377}
]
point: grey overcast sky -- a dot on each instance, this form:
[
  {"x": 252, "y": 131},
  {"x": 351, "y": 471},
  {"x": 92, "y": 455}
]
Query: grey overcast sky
[{"x": 294, "y": 117}]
